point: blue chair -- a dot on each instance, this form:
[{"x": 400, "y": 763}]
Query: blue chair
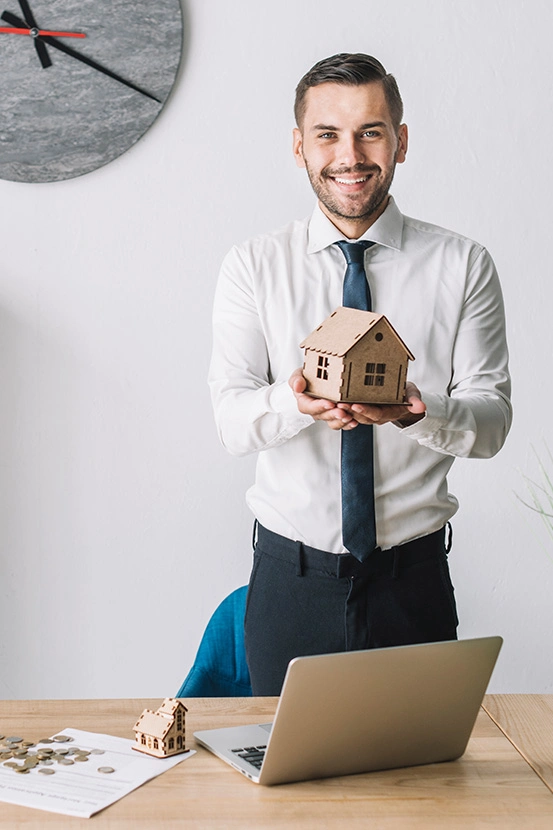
[{"x": 220, "y": 668}]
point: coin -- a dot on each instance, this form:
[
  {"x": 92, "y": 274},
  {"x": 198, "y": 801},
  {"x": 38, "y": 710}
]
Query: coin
[
  {"x": 46, "y": 741},
  {"x": 97, "y": 751},
  {"x": 22, "y": 771},
  {"x": 80, "y": 758},
  {"x": 46, "y": 761},
  {"x": 106, "y": 769},
  {"x": 67, "y": 762},
  {"x": 47, "y": 771},
  {"x": 13, "y": 740},
  {"x": 62, "y": 739},
  {"x": 62, "y": 751}
]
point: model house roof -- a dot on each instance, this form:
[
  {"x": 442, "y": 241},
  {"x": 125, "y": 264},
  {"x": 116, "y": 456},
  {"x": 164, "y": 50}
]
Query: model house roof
[
  {"x": 154, "y": 724},
  {"x": 170, "y": 706},
  {"x": 345, "y": 326},
  {"x": 157, "y": 724}
]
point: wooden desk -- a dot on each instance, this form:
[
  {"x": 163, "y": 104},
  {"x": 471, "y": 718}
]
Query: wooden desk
[
  {"x": 527, "y": 720},
  {"x": 491, "y": 786}
]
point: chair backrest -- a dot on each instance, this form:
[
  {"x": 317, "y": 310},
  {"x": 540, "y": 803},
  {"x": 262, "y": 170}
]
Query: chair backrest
[{"x": 220, "y": 668}]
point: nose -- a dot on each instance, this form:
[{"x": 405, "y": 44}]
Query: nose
[{"x": 350, "y": 151}]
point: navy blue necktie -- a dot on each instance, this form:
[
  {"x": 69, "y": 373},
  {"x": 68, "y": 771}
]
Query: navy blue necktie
[{"x": 357, "y": 468}]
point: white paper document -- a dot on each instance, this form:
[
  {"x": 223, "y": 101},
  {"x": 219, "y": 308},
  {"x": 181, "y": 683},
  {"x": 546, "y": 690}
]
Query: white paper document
[{"x": 80, "y": 789}]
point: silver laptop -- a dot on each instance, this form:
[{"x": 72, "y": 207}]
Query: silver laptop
[{"x": 360, "y": 711}]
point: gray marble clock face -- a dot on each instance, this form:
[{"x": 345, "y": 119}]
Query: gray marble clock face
[{"x": 69, "y": 118}]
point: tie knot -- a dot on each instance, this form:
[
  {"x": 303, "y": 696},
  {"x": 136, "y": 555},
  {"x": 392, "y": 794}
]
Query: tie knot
[{"x": 354, "y": 252}]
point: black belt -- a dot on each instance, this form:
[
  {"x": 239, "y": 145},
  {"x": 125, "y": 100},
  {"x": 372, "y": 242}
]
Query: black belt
[{"x": 378, "y": 563}]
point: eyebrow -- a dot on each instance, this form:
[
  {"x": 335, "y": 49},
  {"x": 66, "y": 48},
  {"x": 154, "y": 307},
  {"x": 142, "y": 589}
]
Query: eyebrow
[{"x": 370, "y": 125}]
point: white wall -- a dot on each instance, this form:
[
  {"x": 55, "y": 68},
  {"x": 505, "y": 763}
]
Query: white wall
[{"x": 122, "y": 521}]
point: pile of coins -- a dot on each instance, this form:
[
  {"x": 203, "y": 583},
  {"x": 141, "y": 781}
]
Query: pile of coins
[{"x": 23, "y": 756}]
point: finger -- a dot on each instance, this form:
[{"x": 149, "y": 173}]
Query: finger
[
  {"x": 367, "y": 414},
  {"x": 339, "y": 417},
  {"x": 413, "y": 395},
  {"x": 315, "y": 407},
  {"x": 417, "y": 405},
  {"x": 297, "y": 381},
  {"x": 380, "y": 415},
  {"x": 337, "y": 424}
]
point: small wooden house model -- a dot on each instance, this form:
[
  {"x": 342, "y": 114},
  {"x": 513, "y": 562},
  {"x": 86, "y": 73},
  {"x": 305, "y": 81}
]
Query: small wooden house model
[
  {"x": 161, "y": 733},
  {"x": 356, "y": 357}
]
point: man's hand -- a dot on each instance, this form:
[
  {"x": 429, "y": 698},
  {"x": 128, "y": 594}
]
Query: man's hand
[
  {"x": 347, "y": 416},
  {"x": 320, "y": 409},
  {"x": 403, "y": 415}
]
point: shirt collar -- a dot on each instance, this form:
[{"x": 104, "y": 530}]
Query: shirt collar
[{"x": 387, "y": 230}]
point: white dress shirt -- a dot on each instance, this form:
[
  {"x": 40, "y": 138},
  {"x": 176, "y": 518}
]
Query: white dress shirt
[{"x": 441, "y": 293}]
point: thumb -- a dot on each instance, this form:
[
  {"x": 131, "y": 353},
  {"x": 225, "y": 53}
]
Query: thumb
[
  {"x": 298, "y": 382},
  {"x": 414, "y": 397}
]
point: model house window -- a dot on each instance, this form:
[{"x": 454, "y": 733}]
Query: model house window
[
  {"x": 155, "y": 743},
  {"x": 374, "y": 374},
  {"x": 322, "y": 366},
  {"x": 143, "y": 739},
  {"x": 171, "y": 743}
]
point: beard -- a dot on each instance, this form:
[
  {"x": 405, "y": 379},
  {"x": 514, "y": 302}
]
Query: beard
[{"x": 357, "y": 206}]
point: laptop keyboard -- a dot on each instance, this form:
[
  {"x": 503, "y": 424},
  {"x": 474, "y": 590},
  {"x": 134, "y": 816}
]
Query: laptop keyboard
[{"x": 252, "y": 754}]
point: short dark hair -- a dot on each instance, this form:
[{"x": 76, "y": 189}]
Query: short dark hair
[{"x": 350, "y": 70}]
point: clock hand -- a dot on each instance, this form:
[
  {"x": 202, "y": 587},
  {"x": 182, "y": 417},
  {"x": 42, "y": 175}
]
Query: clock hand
[
  {"x": 27, "y": 13},
  {"x": 51, "y": 41},
  {"x": 10, "y": 30},
  {"x": 69, "y": 51},
  {"x": 40, "y": 47}
]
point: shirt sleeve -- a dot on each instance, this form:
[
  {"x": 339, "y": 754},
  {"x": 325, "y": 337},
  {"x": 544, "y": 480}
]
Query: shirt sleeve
[
  {"x": 473, "y": 419},
  {"x": 253, "y": 411}
]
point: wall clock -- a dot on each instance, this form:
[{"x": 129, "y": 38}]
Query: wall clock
[{"x": 81, "y": 81}]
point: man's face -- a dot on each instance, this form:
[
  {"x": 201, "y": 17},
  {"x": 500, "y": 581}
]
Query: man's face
[{"x": 349, "y": 147}]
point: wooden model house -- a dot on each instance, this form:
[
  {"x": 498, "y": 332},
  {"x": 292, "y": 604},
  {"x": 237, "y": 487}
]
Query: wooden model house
[
  {"x": 161, "y": 733},
  {"x": 356, "y": 357}
]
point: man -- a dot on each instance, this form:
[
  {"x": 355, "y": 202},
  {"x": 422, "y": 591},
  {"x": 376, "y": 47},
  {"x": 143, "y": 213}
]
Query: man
[{"x": 311, "y": 590}]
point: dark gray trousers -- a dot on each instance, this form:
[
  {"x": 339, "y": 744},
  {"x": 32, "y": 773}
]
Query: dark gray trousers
[{"x": 305, "y": 601}]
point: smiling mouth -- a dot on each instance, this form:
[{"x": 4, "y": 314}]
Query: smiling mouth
[{"x": 341, "y": 180}]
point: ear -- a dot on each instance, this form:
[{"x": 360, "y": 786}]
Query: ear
[
  {"x": 297, "y": 147},
  {"x": 402, "y": 142}
]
